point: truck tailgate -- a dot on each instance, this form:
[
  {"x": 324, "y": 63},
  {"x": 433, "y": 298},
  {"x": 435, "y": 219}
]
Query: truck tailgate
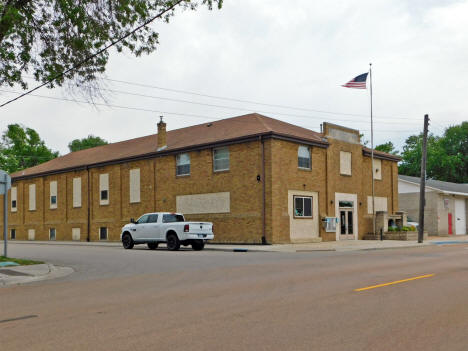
[{"x": 200, "y": 228}]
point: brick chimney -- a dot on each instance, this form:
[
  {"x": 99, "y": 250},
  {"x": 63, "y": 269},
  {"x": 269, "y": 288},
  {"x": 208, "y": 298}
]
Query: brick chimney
[{"x": 162, "y": 143}]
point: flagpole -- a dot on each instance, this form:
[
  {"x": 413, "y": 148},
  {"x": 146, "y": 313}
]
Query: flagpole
[{"x": 372, "y": 151}]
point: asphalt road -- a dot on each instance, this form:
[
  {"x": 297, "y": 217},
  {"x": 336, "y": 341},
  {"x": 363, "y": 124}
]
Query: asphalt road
[{"x": 159, "y": 300}]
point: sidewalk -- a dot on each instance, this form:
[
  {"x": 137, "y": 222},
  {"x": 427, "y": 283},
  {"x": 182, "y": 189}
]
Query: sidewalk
[
  {"x": 13, "y": 275},
  {"x": 348, "y": 245}
]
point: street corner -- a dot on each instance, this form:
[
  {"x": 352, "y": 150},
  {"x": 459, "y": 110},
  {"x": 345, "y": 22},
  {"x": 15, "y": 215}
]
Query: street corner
[{"x": 18, "y": 275}]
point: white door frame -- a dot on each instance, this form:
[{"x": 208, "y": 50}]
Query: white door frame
[{"x": 346, "y": 197}]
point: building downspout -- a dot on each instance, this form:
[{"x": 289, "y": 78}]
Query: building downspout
[
  {"x": 88, "y": 238},
  {"x": 264, "y": 241}
]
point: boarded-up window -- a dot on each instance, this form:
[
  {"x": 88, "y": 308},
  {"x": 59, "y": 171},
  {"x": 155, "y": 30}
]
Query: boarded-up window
[
  {"x": 31, "y": 234},
  {"x": 345, "y": 163},
  {"x": 14, "y": 199},
  {"x": 380, "y": 204},
  {"x": 377, "y": 169},
  {"x": 53, "y": 194},
  {"x": 76, "y": 233},
  {"x": 32, "y": 197},
  {"x": 77, "y": 192},
  {"x": 204, "y": 203},
  {"x": 104, "y": 189},
  {"x": 135, "y": 185}
]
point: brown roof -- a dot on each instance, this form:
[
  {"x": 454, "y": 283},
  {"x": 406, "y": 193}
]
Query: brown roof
[
  {"x": 380, "y": 154},
  {"x": 224, "y": 130}
]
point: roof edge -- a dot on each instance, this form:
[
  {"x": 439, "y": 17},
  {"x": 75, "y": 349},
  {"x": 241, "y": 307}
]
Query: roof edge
[
  {"x": 253, "y": 137},
  {"x": 387, "y": 157}
]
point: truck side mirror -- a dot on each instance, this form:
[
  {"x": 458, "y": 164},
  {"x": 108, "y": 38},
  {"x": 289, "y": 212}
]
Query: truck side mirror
[{"x": 132, "y": 220}]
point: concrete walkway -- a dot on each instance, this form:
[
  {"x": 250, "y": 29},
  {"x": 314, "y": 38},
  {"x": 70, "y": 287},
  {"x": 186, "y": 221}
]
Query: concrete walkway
[
  {"x": 346, "y": 245},
  {"x": 26, "y": 274}
]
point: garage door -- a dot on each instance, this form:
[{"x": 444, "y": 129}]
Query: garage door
[{"x": 460, "y": 216}]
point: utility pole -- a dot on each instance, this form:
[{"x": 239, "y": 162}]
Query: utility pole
[{"x": 422, "y": 186}]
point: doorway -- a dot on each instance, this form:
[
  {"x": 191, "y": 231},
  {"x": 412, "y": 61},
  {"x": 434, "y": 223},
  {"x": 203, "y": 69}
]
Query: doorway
[
  {"x": 346, "y": 220},
  {"x": 346, "y": 211}
]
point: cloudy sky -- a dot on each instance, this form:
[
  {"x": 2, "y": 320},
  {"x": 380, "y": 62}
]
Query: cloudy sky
[{"x": 284, "y": 59}]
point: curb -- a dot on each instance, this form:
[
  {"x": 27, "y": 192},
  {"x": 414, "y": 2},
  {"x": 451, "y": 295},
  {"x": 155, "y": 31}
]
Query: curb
[{"x": 53, "y": 272}]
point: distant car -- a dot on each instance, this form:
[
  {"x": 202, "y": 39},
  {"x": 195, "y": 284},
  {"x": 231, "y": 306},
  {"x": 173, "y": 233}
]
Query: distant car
[
  {"x": 412, "y": 223},
  {"x": 166, "y": 227}
]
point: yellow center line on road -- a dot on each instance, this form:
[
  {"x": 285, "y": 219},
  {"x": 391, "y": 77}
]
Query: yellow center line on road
[{"x": 395, "y": 282}]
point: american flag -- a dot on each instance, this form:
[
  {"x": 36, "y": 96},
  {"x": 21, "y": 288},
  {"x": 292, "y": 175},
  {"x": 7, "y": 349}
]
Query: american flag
[{"x": 358, "y": 82}]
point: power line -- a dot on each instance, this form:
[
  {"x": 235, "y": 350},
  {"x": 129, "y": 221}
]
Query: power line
[
  {"x": 95, "y": 54},
  {"x": 225, "y": 107},
  {"x": 246, "y": 101},
  {"x": 208, "y": 118},
  {"x": 241, "y": 108}
]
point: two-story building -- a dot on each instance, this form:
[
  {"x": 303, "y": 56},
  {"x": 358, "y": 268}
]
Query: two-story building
[{"x": 256, "y": 178}]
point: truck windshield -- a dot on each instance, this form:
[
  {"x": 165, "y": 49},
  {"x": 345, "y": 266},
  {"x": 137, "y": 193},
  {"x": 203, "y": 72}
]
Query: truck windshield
[{"x": 169, "y": 218}]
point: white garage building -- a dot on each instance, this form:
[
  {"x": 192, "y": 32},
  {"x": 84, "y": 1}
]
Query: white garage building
[{"x": 446, "y": 207}]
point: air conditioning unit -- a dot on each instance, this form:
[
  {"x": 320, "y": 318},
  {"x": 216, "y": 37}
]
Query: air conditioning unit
[{"x": 329, "y": 223}]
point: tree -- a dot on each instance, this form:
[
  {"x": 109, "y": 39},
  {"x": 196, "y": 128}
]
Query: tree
[
  {"x": 21, "y": 148},
  {"x": 388, "y": 148},
  {"x": 47, "y": 37},
  {"x": 86, "y": 143},
  {"x": 447, "y": 155}
]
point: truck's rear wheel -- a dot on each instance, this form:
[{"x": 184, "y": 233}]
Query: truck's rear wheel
[
  {"x": 127, "y": 241},
  {"x": 198, "y": 245},
  {"x": 153, "y": 246},
  {"x": 173, "y": 243}
]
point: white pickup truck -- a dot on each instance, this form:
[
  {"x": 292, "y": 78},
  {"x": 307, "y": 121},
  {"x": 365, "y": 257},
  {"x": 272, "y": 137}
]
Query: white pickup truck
[{"x": 166, "y": 227}]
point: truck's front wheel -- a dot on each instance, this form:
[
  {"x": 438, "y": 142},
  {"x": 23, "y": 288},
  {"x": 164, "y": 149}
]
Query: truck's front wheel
[
  {"x": 173, "y": 243},
  {"x": 127, "y": 241},
  {"x": 198, "y": 245}
]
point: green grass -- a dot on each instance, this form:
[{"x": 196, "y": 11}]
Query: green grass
[{"x": 19, "y": 261}]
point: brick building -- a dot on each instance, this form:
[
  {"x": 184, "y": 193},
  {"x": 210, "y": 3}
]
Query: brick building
[{"x": 256, "y": 178}]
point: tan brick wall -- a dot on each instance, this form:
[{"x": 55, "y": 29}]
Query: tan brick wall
[
  {"x": 159, "y": 187},
  {"x": 286, "y": 175}
]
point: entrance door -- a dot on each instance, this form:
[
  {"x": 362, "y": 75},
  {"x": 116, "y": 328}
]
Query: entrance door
[
  {"x": 460, "y": 217},
  {"x": 346, "y": 224}
]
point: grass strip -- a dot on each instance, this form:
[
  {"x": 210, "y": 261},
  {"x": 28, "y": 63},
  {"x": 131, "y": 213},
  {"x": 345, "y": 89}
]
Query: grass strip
[{"x": 20, "y": 261}]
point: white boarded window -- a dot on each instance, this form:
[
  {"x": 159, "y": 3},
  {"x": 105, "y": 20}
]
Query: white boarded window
[
  {"x": 183, "y": 164},
  {"x": 380, "y": 204},
  {"x": 221, "y": 159},
  {"x": 377, "y": 169},
  {"x": 303, "y": 157},
  {"x": 135, "y": 185},
  {"x": 204, "y": 203},
  {"x": 77, "y": 192},
  {"x": 53, "y": 194},
  {"x": 31, "y": 234},
  {"x": 32, "y": 197},
  {"x": 345, "y": 163},
  {"x": 104, "y": 189},
  {"x": 76, "y": 233},
  {"x": 14, "y": 199}
]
